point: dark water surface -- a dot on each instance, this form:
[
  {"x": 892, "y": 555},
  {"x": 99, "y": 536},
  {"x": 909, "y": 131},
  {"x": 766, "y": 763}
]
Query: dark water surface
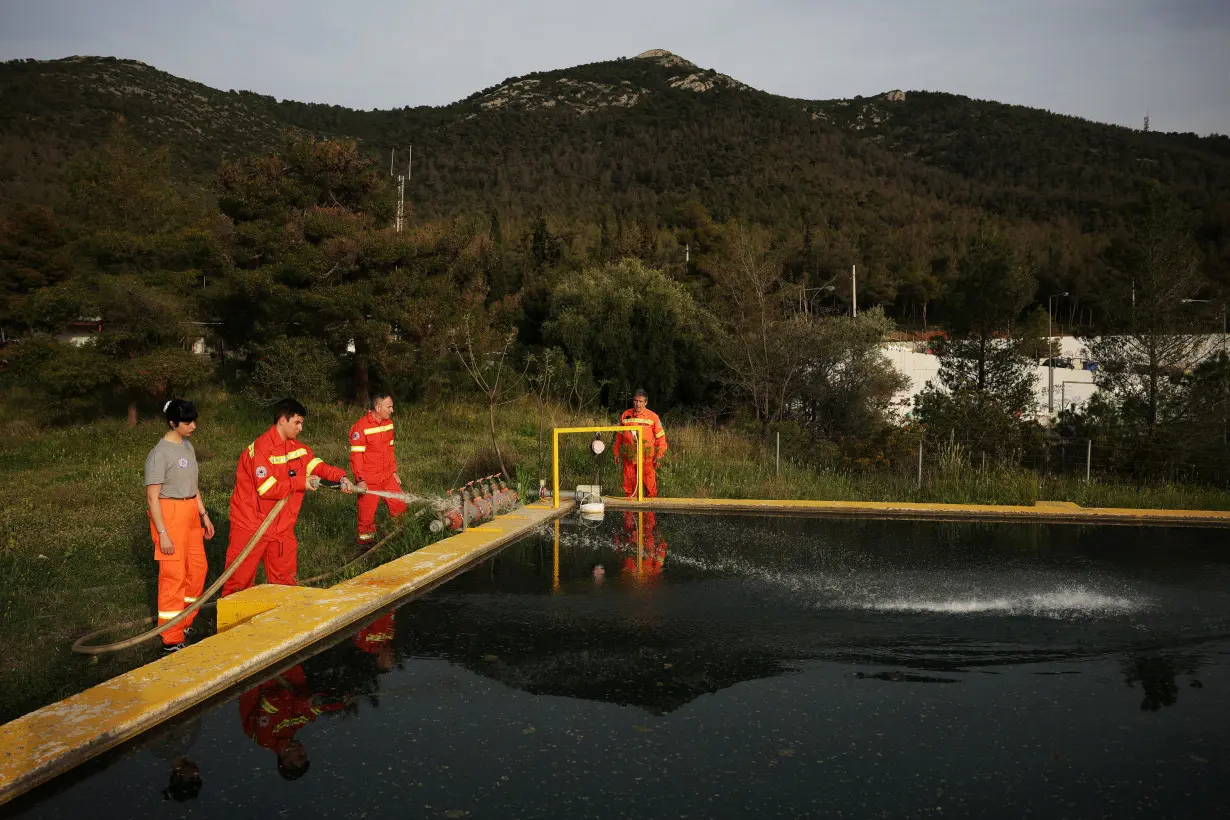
[{"x": 740, "y": 667}]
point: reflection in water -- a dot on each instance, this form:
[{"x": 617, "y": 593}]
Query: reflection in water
[
  {"x": 376, "y": 640},
  {"x": 897, "y": 676},
  {"x": 766, "y": 666},
  {"x": 643, "y": 548},
  {"x": 1156, "y": 675},
  {"x": 172, "y": 745},
  {"x": 274, "y": 712},
  {"x": 746, "y": 599}
]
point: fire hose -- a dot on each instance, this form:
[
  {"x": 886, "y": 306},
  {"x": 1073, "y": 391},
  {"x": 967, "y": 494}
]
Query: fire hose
[{"x": 82, "y": 645}]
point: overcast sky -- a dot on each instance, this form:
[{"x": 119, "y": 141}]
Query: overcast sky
[{"x": 1106, "y": 60}]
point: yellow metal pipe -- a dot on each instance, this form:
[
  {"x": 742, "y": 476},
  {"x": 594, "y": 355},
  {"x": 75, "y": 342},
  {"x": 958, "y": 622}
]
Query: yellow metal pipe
[
  {"x": 640, "y": 466},
  {"x": 555, "y": 560},
  {"x": 557, "y": 431},
  {"x": 640, "y": 540}
]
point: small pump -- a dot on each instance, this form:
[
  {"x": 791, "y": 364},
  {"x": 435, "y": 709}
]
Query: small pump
[{"x": 589, "y": 500}]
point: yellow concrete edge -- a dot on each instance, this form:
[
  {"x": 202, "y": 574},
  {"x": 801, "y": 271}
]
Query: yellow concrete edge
[
  {"x": 246, "y": 604},
  {"x": 50, "y": 741},
  {"x": 1061, "y": 512}
]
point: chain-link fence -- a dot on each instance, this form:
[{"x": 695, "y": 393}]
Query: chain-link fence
[{"x": 926, "y": 456}]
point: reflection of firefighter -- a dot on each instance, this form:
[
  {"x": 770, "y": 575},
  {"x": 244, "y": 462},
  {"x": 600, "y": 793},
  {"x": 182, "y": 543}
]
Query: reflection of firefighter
[
  {"x": 172, "y": 745},
  {"x": 376, "y": 639},
  {"x": 275, "y": 711},
  {"x": 652, "y": 442},
  {"x": 650, "y": 544}
]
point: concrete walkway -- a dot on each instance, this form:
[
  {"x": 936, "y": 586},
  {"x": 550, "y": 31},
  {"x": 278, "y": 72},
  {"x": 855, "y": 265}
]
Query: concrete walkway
[
  {"x": 259, "y": 628},
  {"x": 1046, "y": 512}
]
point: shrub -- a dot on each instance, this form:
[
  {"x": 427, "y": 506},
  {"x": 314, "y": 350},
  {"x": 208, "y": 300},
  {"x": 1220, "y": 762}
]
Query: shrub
[{"x": 299, "y": 367}]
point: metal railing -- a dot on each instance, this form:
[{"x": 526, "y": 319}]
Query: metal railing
[{"x": 556, "y": 432}]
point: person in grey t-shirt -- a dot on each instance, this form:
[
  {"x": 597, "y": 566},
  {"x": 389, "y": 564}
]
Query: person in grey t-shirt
[{"x": 179, "y": 523}]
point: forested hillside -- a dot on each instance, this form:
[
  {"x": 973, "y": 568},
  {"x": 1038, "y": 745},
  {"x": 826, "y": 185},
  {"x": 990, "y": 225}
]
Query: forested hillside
[{"x": 640, "y": 221}]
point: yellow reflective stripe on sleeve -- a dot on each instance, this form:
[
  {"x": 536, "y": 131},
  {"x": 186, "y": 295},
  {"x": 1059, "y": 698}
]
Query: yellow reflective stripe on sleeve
[
  {"x": 391, "y": 442},
  {"x": 386, "y": 428},
  {"x": 660, "y": 434},
  {"x": 291, "y": 456},
  {"x": 268, "y": 707},
  {"x": 313, "y": 464},
  {"x": 360, "y": 449},
  {"x": 264, "y": 488},
  {"x": 188, "y": 600},
  {"x": 252, "y": 450},
  {"x": 166, "y": 616}
]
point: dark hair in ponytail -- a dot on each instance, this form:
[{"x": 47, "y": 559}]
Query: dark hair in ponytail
[{"x": 179, "y": 411}]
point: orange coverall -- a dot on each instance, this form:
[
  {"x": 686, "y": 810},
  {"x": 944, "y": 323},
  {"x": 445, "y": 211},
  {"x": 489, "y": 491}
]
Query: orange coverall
[
  {"x": 372, "y": 460},
  {"x": 270, "y": 469},
  {"x": 653, "y": 442}
]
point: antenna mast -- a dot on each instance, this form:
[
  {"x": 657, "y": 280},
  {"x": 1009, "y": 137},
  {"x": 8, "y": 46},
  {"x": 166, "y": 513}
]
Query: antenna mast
[{"x": 401, "y": 190}]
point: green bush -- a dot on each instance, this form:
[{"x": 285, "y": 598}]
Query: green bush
[
  {"x": 301, "y": 367},
  {"x": 67, "y": 381}
]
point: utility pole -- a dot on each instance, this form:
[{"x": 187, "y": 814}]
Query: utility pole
[
  {"x": 401, "y": 201},
  {"x": 854, "y": 291},
  {"x": 392, "y": 154}
]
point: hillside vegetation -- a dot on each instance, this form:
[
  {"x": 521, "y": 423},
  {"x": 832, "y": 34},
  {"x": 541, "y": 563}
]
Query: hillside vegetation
[
  {"x": 647, "y": 222},
  {"x": 890, "y": 181}
]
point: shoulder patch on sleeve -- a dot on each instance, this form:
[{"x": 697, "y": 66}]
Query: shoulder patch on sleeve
[
  {"x": 261, "y": 472},
  {"x": 354, "y": 436}
]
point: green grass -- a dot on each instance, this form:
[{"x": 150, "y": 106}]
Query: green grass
[
  {"x": 75, "y": 553},
  {"x": 1103, "y": 493}
]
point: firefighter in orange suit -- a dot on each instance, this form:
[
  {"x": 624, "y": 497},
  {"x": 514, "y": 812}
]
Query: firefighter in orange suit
[
  {"x": 277, "y": 465},
  {"x": 374, "y": 464},
  {"x": 275, "y": 711},
  {"x": 652, "y": 442}
]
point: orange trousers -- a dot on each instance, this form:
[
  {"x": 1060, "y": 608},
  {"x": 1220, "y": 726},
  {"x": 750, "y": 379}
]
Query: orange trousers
[
  {"x": 368, "y": 504},
  {"x": 280, "y": 554},
  {"x": 649, "y": 477},
  {"x": 181, "y": 576}
]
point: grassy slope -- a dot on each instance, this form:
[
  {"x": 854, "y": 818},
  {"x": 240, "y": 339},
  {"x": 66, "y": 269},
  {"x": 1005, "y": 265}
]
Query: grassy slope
[{"x": 75, "y": 553}]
